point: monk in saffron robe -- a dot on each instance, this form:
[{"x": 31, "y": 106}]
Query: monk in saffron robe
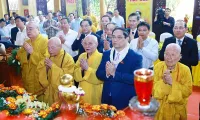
[
  {"x": 50, "y": 70},
  {"x": 30, "y": 54},
  {"x": 172, "y": 85},
  {"x": 85, "y": 71}
]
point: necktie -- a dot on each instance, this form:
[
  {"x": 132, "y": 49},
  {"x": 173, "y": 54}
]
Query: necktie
[
  {"x": 117, "y": 57},
  {"x": 179, "y": 42},
  {"x": 133, "y": 33}
]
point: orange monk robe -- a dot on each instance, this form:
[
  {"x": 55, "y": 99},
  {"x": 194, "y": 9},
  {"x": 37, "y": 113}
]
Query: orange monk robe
[
  {"x": 172, "y": 99},
  {"x": 51, "y": 80},
  {"x": 89, "y": 82},
  {"x": 29, "y": 66}
]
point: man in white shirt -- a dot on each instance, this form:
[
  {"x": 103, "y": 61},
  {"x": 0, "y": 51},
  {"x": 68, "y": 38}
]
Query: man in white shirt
[
  {"x": 10, "y": 26},
  {"x": 119, "y": 20},
  {"x": 21, "y": 34},
  {"x": 145, "y": 46},
  {"x": 67, "y": 37}
]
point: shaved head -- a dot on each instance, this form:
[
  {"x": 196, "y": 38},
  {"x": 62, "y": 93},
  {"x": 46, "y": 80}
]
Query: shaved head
[
  {"x": 90, "y": 44},
  {"x": 175, "y": 47},
  {"x": 92, "y": 37},
  {"x": 54, "y": 46},
  {"x": 32, "y": 30}
]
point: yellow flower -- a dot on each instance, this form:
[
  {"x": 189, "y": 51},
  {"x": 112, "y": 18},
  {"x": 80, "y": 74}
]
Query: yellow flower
[
  {"x": 10, "y": 99},
  {"x": 120, "y": 113},
  {"x": 55, "y": 106},
  {"x": 96, "y": 107},
  {"x": 42, "y": 112},
  {"x": 49, "y": 110},
  {"x": 113, "y": 108},
  {"x": 32, "y": 98},
  {"x": 104, "y": 106},
  {"x": 20, "y": 91},
  {"x": 18, "y": 97},
  {"x": 28, "y": 111},
  {"x": 12, "y": 106}
]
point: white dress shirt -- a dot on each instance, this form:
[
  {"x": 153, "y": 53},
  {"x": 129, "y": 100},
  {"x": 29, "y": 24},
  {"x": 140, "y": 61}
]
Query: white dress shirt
[
  {"x": 149, "y": 52},
  {"x": 8, "y": 28},
  {"x": 70, "y": 37},
  {"x": 21, "y": 37},
  {"x": 119, "y": 21}
]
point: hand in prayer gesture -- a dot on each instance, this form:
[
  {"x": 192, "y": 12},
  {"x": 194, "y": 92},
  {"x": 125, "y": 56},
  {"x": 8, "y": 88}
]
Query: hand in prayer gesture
[
  {"x": 84, "y": 64},
  {"x": 167, "y": 78},
  {"x": 62, "y": 39},
  {"x": 110, "y": 69},
  {"x": 106, "y": 45},
  {"x": 140, "y": 44},
  {"x": 28, "y": 48},
  {"x": 48, "y": 63},
  {"x": 79, "y": 32}
]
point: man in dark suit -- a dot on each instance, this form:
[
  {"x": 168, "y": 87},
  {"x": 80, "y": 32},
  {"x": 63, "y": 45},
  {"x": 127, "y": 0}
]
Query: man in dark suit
[
  {"x": 104, "y": 21},
  {"x": 116, "y": 70},
  {"x": 189, "y": 48},
  {"x": 133, "y": 21},
  {"x": 13, "y": 34},
  {"x": 86, "y": 29}
]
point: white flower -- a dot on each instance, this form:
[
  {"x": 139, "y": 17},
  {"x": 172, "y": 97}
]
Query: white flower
[
  {"x": 13, "y": 61},
  {"x": 18, "y": 63}
]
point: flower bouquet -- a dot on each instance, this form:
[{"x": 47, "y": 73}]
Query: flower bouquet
[
  {"x": 15, "y": 101},
  {"x": 13, "y": 60}
]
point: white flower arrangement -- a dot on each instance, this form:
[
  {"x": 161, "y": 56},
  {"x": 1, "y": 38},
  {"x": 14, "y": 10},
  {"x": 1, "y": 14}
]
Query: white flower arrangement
[{"x": 72, "y": 89}]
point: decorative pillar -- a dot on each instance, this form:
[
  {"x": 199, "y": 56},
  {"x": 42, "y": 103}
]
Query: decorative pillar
[
  {"x": 3, "y": 8},
  {"x": 63, "y": 6},
  {"x": 102, "y": 7},
  {"x": 121, "y": 6},
  {"x": 42, "y": 6},
  {"x": 84, "y": 6},
  {"x": 57, "y": 5},
  {"x": 196, "y": 19}
]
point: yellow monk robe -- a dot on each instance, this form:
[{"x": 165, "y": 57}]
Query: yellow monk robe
[
  {"x": 92, "y": 18},
  {"x": 89, "y": 82},
  {"x": 173, "y": 99},
  {"x": 29, "y": 66},
  {"x": 51, "y": 80}
]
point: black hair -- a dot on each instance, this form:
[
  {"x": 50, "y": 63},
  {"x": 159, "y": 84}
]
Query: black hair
[
  {"x": 134, "y": 14},
  {"x": 143, "y": 24},
  {"x": 66, "y": 18},
  {"x": 70, "y": 14},
  {"x": 21, "y": 18},
  {"x": 107, "y": 16},
  {"x": 88, "y": 20},
  {"x": 111, "y": 23},
  {"x": 11, "y": 18},
  {"x": 168, "y": 9},
  {"x": 109, "y": 12},
  {"x": 5, "y": 15},
  {"x": 125, "y": 32},
  {"x": 116, "y": 9},
  {"x": 138, "y": 12}
]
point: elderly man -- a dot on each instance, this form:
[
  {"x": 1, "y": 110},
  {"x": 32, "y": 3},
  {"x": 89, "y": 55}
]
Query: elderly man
[
  {"x": 67, "y": 37},
  {"x": 116, "y": 70},
  {"x": 85, "y": 71},
  {"x": 145, "y": 46},
  {"x": 86, "y": 29},
  {"x": 30, "y": 54},
  {"x": 172, "y": 85},
  {"x": 189, "y": 47},
  {"x": 50, "y": 70}
]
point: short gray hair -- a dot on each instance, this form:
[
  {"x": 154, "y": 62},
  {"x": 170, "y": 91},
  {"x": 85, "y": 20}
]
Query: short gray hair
[
  {"x": 94, "y": 38},
  {"x": 174, "y": 46}
]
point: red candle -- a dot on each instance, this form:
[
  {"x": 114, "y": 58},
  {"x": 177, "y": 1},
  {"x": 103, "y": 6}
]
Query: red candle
[{"x": 143, "y": 81}]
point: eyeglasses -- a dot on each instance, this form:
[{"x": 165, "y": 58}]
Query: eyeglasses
[{"x": 118, "y": 37}]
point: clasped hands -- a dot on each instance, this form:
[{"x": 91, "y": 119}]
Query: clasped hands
[
  {"x": 167, "y": 78},
  {"x": 48, "y": 63},
  {"x": 140, "y": 43},
  {"x": 28, "y": 48},
  {"x": 84, "y": 64},
  {"x": 110, "y": 69}
]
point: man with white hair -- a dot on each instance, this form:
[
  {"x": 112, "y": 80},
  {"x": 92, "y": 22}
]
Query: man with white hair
[
  {"x": 85, "y": 71},
  {"x": 50, "y": 70},
  {"x": 172, "y": 85},
  {"x": 32, "y": 51}
]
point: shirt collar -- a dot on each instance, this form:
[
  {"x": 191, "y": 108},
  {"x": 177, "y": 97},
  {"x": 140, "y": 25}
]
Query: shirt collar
[{"x": 180, "y": 39}]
